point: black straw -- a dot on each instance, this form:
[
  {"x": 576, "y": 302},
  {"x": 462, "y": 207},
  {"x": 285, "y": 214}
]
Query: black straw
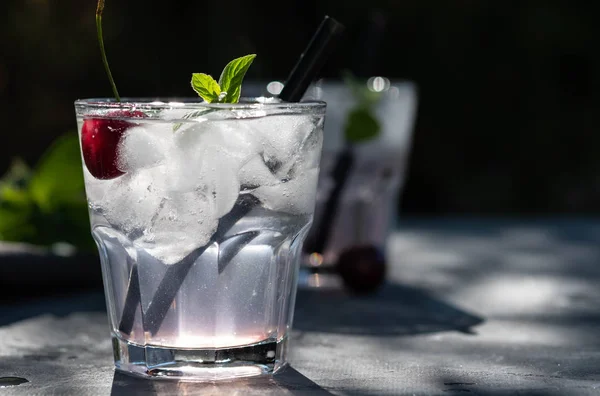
[{"x": 312, "y": 60}]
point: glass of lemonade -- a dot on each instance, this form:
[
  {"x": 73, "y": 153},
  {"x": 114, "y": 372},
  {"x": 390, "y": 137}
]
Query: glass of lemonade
[{"x": 199, "y": 212}]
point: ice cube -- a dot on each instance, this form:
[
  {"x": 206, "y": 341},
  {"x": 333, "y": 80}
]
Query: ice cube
[
  {"x": 281, "y": 137},
  {"x": 219, "y": 181},
  {"x": 206, "y": 148},
  {"x": 143, "y": 147},
  {"x": 207, "y": 157},
  {"x": 295, "y": 196},
  {"x": 132, "y": 200},
  {"x": 182, "y": 223},
  {"x": 309, "y": 154},
  {"x": 186, "y": 157},
  {"x": 256, "y": 173},
  {"x": 230, "y": 137},
  {"x": 96, "y": 189},
  {"x": 238, "y": 140}
]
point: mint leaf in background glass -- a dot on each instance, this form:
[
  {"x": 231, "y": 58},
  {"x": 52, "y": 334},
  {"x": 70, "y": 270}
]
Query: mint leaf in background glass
[
  {"x": 232, "y": 77},
  {"x": 361, "y": 123},
  {"x": 361, "y": 126},
  {"x": 206, "y": 87},
  {"x": 363, "y": 95}
]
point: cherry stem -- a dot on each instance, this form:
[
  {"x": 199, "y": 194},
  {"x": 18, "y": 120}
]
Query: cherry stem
[{"x": 99, "y": 10}]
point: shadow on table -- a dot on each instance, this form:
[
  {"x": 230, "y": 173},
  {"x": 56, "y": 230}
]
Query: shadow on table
[
  {"x": 92, "y": 301},
  {"x": 289, "y": 382},
  {"x": 522, "y": 384},
  {"x": 395, "y": 310}
]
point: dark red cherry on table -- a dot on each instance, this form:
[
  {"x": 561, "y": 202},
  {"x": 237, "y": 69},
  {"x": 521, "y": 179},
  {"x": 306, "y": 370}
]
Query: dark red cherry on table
[
  {"x": 100, "y": 138},
  {"x": 362, "y": 268}
]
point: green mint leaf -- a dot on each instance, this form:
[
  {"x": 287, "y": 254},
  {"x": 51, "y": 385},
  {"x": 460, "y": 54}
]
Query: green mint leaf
[
  {"x": 232, "y": 77},
  {"x": 361, "y": 125},
  {"x": 363, "y": 95},
  {"x": 206, "y": 87}
]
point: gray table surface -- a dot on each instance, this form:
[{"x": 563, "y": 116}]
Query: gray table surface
[{"x": 490, "y": 307}]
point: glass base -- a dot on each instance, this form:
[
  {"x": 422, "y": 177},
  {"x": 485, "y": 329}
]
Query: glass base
[{"x": 211, "y": 364}]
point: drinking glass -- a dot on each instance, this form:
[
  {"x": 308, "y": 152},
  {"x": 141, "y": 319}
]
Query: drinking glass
[
  {"x": 199, "y": 212},
  {"x": 360, "y": 184}
]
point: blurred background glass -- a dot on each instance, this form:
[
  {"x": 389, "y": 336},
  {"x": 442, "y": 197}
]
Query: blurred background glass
[{"x": 366, "y": 147}]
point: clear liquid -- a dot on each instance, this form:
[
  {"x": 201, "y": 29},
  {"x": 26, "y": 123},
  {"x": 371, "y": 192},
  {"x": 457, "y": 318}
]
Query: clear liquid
[{"x": 239, "y": 291}]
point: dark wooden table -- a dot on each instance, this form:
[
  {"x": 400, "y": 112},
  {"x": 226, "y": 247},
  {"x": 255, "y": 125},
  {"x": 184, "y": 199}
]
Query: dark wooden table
[{"x": 489, "y": 307}]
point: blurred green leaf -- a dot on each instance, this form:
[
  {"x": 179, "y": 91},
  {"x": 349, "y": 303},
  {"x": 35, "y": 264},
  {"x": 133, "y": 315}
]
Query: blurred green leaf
[
  {"x": 363, "y": 95},
  {"x": 58, "y": 177},
  {"x": 18, "y": 174},
  {"x": 68, "y": 223},
  {"x": 46, "y": 205},
  {"x": 15, "y": 225},
  {"x": 10, "y": 195},
  {"x": 15, "y": 203},
  {"x": 361, "y": 125},
  {"x": 15, "y": 213}
]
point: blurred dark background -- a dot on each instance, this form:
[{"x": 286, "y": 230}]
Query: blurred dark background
[{"x": 509, "y": 91}]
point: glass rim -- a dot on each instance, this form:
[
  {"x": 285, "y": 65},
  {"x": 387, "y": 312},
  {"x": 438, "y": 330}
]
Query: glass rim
[{"x": 195, "y": 104}]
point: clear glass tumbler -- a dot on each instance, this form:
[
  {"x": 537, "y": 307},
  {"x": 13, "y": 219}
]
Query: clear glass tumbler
[
  {"x": 199, "y": 212},
  {"x": 359, "y": 184}
]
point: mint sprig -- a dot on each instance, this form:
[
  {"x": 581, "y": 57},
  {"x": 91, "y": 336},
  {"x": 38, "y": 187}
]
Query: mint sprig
[
  {"x": 206, "y": 87},
  {"x": 229, "y": 87},
  {"x": 361, "y": 123},
  {"x": 227, "y": 90},
  {"x": 232, "y": 77}
]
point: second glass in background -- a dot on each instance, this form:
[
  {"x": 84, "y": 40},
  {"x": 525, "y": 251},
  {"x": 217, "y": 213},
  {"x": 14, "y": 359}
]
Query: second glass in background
[{"x": 367, "y": 206}]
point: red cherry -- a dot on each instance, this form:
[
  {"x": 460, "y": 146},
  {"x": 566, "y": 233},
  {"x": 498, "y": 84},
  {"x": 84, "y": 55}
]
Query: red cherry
[
  {"x": 362, "y": 268},
  {"x": 100, "y": 138}
]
